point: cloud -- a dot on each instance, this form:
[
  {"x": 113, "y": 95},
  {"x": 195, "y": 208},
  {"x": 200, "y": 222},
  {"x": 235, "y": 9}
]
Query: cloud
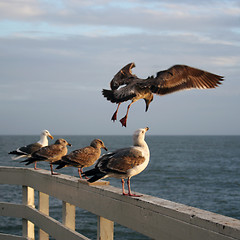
[
  {"x": 23, "y": 9},
  {"x": 134, "y": 14},
  {"x": 56, "y": 56}
]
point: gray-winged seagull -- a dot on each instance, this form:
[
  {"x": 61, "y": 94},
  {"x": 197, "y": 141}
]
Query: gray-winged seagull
[
  {"x": 123, "y": 163},
  {"x": 50, "y": 153},
  {"x": 26, "y": 151},
  {"x": 84, "y": 157},
  {"x": 176, "y": 78}
]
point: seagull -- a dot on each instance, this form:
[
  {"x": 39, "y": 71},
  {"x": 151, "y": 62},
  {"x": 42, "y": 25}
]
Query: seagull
[
  {"x": 50, "y": 153},
  {"x": 26, "y": 151},
  {"x": 84, "y": 157},
  {"x": 176, "y": 78},
  {"x": 123, "y": 163}
]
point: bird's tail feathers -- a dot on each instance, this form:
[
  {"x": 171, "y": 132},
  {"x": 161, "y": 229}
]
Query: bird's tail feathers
[
  {"x": 95, "y": 173},
  {"x": 96, "y": 177},
  {"x": 14, "y": 152},
  {"x": 18, "y": 157},
  {"x": 17, "y": 153},
  {"x": 32, "y": 160},
  {"x": 91, "y": 172},
  {"x": 60, "y": 163},
  {"x": 29, "y": 161},
  {"x": 109, "y": 95}
]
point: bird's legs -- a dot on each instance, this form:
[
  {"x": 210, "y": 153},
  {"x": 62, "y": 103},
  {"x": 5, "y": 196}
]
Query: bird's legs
[
  {"x": 53, "y": 173},
  {"x": 123, "y": 190},
  {"x": 114, "y": 116},
  {"x": 124, "y": 119},
  {"x": 81, "y": 171},
  {"x": 129, "y": 189},
  {"x": 35, "y": 166}
]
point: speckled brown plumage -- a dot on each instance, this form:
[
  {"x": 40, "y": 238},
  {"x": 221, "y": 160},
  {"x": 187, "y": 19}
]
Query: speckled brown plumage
[
  {"x": 84, "y": 157},
  {"x": 51, "y": 153}
]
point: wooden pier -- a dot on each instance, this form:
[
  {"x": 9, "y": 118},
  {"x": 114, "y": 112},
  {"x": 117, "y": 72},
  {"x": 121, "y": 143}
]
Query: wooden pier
[{"x": 151, "y": 216}]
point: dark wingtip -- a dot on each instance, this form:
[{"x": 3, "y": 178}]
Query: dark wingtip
[{"x": 95, "y": 178}]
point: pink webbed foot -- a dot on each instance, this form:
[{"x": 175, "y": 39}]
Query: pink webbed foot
[
  {"x": 55, "y": 173},
  {"x": 124, "y": 121},
  {"x": 114, "y": 117},
  {"x": 35, "y": 166},
  {"x": 134, "y": 195},
  {"x": 129, "y": 189},
  {"x": 131, "y": 194}
]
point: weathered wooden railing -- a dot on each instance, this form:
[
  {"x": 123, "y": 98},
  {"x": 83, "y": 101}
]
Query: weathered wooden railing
[{"x": 154, "y": 217}]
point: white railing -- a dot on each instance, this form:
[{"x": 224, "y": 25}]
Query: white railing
[{"x": 154, "y": 217}]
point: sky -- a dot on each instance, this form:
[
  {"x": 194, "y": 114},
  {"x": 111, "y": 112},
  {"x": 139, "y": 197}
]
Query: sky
[{"x": 57, "y": 55}]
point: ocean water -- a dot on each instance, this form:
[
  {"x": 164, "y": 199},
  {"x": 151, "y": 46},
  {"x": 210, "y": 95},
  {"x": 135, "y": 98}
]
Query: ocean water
[{"x": 199, "y": 171}]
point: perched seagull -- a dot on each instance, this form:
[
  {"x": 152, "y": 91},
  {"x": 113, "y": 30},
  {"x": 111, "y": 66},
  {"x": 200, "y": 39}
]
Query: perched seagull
[
  {"x": 26, "y": 151},
  {"x": 123, "y": 163},
  {"x": 176, "y": 78},
  {"x": 84, "y": 157},
  {"x": 50, "y": 153}
]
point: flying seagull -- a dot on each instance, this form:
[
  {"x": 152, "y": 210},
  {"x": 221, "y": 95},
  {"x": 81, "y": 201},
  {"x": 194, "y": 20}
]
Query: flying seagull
[
  {"x": 176, "y": 78},
  {"x": 123, "y": 163},
  {"x": 50, "y": 153},
  {"x": 26, "y": 151},
  {"x": 84, "y": 157}
]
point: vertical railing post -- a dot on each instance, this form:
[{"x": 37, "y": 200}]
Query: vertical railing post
[
  {"x": 105, "y": 229},
  {"x": 68, "y": 215},
  {"x": 28, "y": 199},
  {"x": 43, "y": 206}
]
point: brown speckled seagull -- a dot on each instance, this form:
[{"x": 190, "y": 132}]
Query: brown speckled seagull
[
  {"x": 176, "y": 78},
  {"x": 26, "y": 151},
  {"x": 123, "y": 163},
  {"x": 50, "y": 153},
  {"x": 84, "y": 157}
]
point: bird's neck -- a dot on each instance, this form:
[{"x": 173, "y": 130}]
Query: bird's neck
[
  {"x": 140, "y": 143},
  {"x": 144, "y": 148},
  {"x": 43, "y": 140}
]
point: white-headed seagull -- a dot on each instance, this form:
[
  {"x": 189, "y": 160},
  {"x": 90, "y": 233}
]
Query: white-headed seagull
[
  {"x": 123, "y": 163},
  {"x": 26, "y": 151}
]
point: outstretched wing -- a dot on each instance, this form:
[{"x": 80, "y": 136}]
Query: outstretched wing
[{"x": 180, "y": 77}]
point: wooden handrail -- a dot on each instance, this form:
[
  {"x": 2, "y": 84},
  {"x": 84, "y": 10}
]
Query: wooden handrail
[{"x": 154, "y": 217}]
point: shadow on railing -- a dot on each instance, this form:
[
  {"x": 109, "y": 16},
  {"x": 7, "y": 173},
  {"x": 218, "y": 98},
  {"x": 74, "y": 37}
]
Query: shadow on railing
[{"x": 153, "y": 217}]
